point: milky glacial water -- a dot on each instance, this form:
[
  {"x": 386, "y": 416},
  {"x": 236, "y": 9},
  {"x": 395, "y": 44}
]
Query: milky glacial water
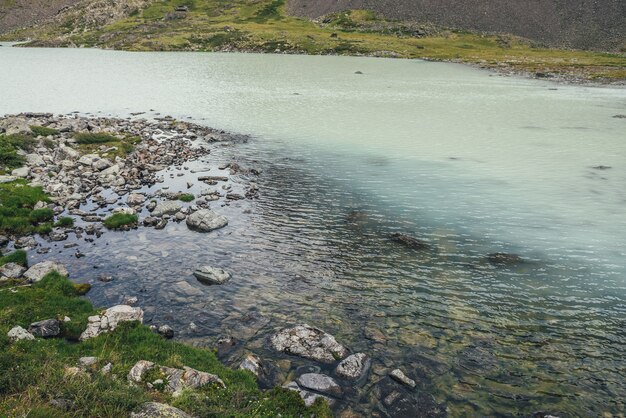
[{"x": 471, "y": 162}]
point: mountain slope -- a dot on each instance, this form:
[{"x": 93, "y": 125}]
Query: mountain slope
[
  {"x": 599, "y": 24},
  {"x": 264, "y": 26},
  {"x": 15, "y": 14}
]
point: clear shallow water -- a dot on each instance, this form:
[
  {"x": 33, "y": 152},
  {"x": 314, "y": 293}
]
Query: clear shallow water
[{"x": 474, "y": 164}]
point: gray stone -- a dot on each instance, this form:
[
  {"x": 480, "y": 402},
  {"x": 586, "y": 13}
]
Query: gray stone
[
  {"x": 308, "y": 342},
  {"x": 45, "y": 329},
  {"x": 159, "y": 410},
  {"x": 18, "y": 333},
  {"x": 354, "y": 367},
  {"x": 21, "y": 172},
  {"x": 39, "y": 270},
  {"x": 101, "y": 164},
  {"x": 166, "y": 208},
  {"x": 166, "y": 331},
  {"x": 399, "y": 376},
  {"x": 320, "y": 383},
  {"x": 7, "y": 179},
  {"x": 307, "y": 396},
  {"x": 12, "y": 270},
  {"x": 206, "y": 220},
  {"x": 25, "y": 242},
  {"x": 267, "y": 375},
  {"x": 135, "y": 199},
  {"x": 87, "y": 361},
  {"x": 109, "y": 320},
  {"x": 34, "y": 160},
  {"x": 210, "y": 275},
  {"x": 177, "y": 379}
]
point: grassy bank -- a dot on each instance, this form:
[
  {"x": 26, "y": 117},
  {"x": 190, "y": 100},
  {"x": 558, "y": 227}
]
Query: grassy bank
[
  {"x": 264, "y": 26},
  {"x": 34, "y": 381}
]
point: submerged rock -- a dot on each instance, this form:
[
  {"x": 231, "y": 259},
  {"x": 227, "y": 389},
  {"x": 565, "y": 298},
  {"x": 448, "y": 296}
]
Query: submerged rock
[
  {"x": 308, "y": 342},
  {"x": 399, "y": 376},
  {"x": 210, "y": 275},
  {"x": 504, "y": 258},
  {"x": 267, "y": 375},
  {"x": 409, "y": 241},
  {"x": 206, "y": 220},
  {"x": 40, "y": 270},
  {"x": 398, "y": 401},
  {"x": 307, "y": 396},
  {"x": 159, "y": 410},
  {"x": 354, "y": 367}
]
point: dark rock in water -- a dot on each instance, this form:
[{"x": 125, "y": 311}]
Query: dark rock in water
[
  {"x": 395, "y": 400},
  {"x": 620, "y": 116},
  {"x": 504, "y": 258},
  {"x": 307, "y": 369},
  {"x": 225, "y": 346},
  {"x": 166, "y": 331},
  {"x": 358, "y": 72},
  {"x": 46, "y": 328},
  {"x": 267, "y": 375},
  {"x": 409, "y": 241},
  {"x": 601, "y": 167},
  {"x": 356, "y": 216},
  {"x": 354, "y": 367}
]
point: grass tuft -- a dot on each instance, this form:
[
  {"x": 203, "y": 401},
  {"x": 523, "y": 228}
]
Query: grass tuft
[
  {"x": 17, "y": 216},
  {"x": 64, "y": 222},
  {"x": 43, "y": 131},
  {"x": 186, "y": 197},
  {"x": 119, "y": 220}
]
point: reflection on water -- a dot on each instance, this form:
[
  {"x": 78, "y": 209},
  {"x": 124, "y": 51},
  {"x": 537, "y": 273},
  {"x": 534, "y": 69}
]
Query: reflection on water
[
  {"x": 485, "y": 339},
  {"x": 470, "y": 164}
]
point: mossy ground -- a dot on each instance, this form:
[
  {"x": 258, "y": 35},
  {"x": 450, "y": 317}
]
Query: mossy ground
[
  {"x": 116, "y": 145},
  {"x": 264, "y": 26},
  {"x": 32, "y": 372},
  {"x": 119, "y": 220},
  {"x": 186, "y": 197},
  {"x": 9, "y": 150},
  {"x": 17, "y": 213}
]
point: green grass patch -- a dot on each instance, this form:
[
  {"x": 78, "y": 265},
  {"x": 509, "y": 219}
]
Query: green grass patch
[
  {"x": 43, "y": 131},
  {"x": 9, "y": 146},
  {"x": 119, "y": 220},
  {"x": 91, "y": 142},
  {"x": 32, "y": 372},
  {"x": 64, "y": 222},
  {"x": 18, "y": 256},
  {"x": 17, "y": 216},
  {"x": 186, "y": 197}
]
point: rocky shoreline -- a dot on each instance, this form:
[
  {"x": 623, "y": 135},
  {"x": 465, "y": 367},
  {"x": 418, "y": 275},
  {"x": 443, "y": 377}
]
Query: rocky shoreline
[{"x": 83, "y": 179}]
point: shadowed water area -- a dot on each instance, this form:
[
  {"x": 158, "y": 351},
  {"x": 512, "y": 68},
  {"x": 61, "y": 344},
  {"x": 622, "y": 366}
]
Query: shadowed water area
[{"x": 469, "y": 163}]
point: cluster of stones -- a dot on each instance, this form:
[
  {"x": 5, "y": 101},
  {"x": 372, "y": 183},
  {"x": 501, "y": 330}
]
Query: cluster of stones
[
  {"x": 72, "y": 179},
  {"x": 22, "y": 275},
  {"x": 396, "y": 393},
  {"x": 172, "y": 380}
]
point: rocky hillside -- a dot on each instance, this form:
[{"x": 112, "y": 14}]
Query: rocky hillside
[
  {"x": 585, "y": 24},
  {"x": 15, "y": 14}
]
